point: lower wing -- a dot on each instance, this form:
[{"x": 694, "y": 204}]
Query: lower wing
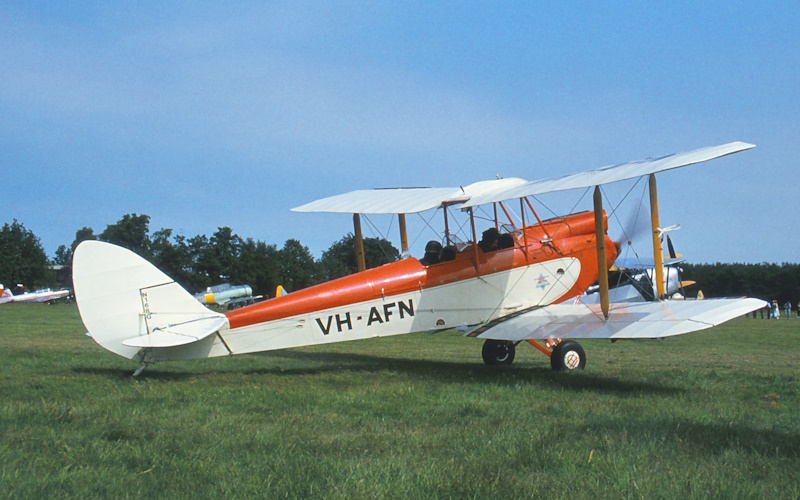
[{"x": 642, "y": 320}]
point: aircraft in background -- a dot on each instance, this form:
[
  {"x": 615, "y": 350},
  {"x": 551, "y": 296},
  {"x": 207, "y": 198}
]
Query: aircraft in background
[
  {"x": 516, "y": 285},
  {"x": 42, "y": 295},
  {"x": 231, "y": 296},
  {"x": 633, "y": 279}
]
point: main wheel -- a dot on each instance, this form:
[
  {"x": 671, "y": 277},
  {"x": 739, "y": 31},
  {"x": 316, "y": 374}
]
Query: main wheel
[
  {"x": 498, "y": 352},
  {"x": 568, "y": 355}
]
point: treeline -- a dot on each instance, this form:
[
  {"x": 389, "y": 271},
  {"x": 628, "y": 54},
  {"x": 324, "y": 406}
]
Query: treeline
[
  {"x": 764, "y": 281},
  {"x": 196, "y": 262},
  {"x": 202, "y": 261}
]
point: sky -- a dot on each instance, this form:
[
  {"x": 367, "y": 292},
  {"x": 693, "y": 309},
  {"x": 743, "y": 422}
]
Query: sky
[{"x": 203, "y": 115}]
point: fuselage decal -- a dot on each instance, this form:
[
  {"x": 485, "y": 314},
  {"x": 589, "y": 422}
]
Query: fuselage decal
[{"x": 400, "y": 309}]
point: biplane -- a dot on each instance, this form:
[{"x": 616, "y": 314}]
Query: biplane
[{"x": 516, "y": 284}]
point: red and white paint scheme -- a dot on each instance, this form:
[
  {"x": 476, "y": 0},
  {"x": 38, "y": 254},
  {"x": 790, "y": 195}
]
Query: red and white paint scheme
[{"x": 506, "y": 293}]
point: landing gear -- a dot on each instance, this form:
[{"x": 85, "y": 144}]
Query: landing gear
[
  {"x": 498, "y": 352},
  {"x": 145, "y": 357},
  {"x": 568, "y": 355}
]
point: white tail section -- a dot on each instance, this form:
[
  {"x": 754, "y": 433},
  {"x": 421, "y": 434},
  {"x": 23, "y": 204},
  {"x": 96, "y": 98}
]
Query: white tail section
[{"x": 127, "y": 304}]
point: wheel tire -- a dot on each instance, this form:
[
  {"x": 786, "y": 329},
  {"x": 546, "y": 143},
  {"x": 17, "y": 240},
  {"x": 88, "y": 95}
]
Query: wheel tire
[
  {"x": 498, "y": 352},
  {"x": 568, "y": 356},
  {"x": 556, "y": 362}
]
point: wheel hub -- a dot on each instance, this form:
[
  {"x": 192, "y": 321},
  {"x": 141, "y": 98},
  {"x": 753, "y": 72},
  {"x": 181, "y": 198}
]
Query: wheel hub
[{"x": 572, "y": 360}]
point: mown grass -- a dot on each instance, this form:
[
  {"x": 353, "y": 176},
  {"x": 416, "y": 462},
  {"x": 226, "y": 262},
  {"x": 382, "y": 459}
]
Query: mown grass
[{"x": 708, "y": 414}]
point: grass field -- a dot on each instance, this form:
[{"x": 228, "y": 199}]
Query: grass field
[{"x": 711, "y": 414}]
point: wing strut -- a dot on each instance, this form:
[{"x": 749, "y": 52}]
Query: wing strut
[
  {"x": 657, "y": 250},
  {"x": 359, "y": 243},
  {"x": 541, "y": 224},
  {"x": 602, "y": 267},
  {"x": 524, "y": 231},
  {"x": 474, "y": 240},
  {"x": 401, "y": 220},
  {"x": 510, "y": 220}
]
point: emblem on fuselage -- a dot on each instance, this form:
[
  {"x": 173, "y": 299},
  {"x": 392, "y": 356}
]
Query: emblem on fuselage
[{"x": 542, "y": 282}]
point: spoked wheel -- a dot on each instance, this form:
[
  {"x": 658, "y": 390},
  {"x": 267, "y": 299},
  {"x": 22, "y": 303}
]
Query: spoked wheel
[
  {"x": 498, "y": 352},
  {"x": 568, "y": 355}
]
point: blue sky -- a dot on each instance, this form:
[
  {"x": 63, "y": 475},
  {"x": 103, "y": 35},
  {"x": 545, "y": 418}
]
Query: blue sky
[{"x": 203, "y": 115}]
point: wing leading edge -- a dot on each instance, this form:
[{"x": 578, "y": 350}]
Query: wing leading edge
[
  {"x": 642, "y": 320},
  {"x": 614, "y": 173},
  {"x": 412, "y": 200}
]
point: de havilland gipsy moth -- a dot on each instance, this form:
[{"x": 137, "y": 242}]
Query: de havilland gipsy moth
[{"x": 520, "y": 282}]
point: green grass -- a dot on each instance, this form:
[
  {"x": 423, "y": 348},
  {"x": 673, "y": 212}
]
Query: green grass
[{"x": 713, "y": 414}]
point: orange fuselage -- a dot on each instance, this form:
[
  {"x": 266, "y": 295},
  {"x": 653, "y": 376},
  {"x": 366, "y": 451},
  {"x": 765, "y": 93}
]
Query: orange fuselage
[{"x": 571, "y": 236}]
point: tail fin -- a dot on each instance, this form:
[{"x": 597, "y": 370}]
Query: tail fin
[
  {"x": 280, "y": 291},
  {"x": 127, "y": 304}
]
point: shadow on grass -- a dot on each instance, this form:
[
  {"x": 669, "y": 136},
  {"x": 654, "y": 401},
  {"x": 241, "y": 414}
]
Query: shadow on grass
[
  {"x": 127, "y": 373},
  {"x": 709, "y": 438},
  {"x": 317, "y": 363},
  {"x": 460, "y": 372}
]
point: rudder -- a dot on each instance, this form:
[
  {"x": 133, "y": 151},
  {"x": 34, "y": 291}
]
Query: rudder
[{"x": 127, "y": 304}]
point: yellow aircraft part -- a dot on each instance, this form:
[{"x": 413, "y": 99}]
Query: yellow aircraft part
[{"x": 209, "y": 298}]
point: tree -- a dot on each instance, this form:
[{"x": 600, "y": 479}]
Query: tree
[
  {"x": 258, "y": 265},
  {"x": 340, "y": 259},
  {"x": 130, "y": 232},
  {"x": 214, "y": 258},
  {"x": 224, "y": 250},
  {"x": 22, "y": 258},
  {"x": 197, "y": 249},
  {"x": 171, "y": 258},
  {"x": 298, "y": 269},
  {"x": 763, "y": 281},
  {"x": 64, "y": 255},
  {"x": 81, "y": 235}
]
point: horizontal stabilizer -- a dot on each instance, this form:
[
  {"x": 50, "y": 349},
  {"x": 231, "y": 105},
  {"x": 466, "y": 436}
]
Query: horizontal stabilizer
[
  {"x": 180, "y": 334},
  {"x": 643, "y": 320}
]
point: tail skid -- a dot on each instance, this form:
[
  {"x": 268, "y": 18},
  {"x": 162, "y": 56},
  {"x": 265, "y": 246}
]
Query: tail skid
[{"x": 130, "y": 307}]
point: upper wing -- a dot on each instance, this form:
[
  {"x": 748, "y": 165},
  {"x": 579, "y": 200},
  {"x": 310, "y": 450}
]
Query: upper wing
[
  {"x": 412, "y": 200},
  {"x": 408, "y": 200},
  {"x": 614, "y": 173},
  {"x": 382, "y": 201},
  {"x": 642, "y": 320}
]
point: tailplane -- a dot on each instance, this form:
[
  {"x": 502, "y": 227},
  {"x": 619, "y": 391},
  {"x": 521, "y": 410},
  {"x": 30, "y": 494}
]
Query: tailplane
[{"x": 128, "y": 305}]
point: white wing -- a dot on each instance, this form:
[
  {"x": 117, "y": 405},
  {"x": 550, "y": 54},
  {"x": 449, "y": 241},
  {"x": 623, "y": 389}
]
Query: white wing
[
  {"x": 412, "y": 200},
  {"x": 642, "y": 320},
  {"x": 382, "y": 201},
  {"x": 614, "y": 173}
]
